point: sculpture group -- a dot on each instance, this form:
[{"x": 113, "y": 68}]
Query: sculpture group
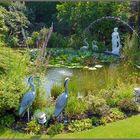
[
  {"x": 116, "y": 45},
  {"x": 29, "y": 98},
  {"x": 94, "y": 46}
]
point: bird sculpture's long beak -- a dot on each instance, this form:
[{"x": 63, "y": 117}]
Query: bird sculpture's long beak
[{"x": 35, "y": 76}]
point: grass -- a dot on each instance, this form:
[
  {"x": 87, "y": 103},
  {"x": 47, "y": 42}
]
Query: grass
[{"x": 128, "y": 128}]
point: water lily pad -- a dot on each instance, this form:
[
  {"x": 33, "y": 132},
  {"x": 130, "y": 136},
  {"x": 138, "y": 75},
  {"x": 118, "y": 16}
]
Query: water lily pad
[
  {"x": 98, "y": 66},
  {"x": 86, "y": 67},
  {"x": 79, "y": 67},
  {"x": 92, "y": 68}
]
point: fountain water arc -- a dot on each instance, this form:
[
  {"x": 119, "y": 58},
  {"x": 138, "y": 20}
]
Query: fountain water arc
[{"x": 111, "y": 18}]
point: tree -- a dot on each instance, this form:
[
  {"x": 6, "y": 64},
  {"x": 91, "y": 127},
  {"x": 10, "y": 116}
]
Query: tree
[
  {"x": 41, "y": 13},
  {"x": 77, "y": 16}
]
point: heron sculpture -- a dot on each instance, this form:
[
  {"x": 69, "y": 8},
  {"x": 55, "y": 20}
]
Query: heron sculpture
[
  {"x": 86, "y": 47},
  {"x": 62, "y": 100},
  {"x": 28, "y": 98}
]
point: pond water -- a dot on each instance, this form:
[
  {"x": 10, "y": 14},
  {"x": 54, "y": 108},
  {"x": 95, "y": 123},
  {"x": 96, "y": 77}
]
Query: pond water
[
  {"x": 85, "y": 80},
  {"x": 56, "y": 76}
]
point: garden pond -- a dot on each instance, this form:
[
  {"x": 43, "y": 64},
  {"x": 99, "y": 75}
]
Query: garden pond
[{"x": 92, "y": 79}]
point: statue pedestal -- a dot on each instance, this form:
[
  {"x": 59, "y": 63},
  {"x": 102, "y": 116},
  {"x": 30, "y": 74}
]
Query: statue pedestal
[{"x": 116, "y": 51}]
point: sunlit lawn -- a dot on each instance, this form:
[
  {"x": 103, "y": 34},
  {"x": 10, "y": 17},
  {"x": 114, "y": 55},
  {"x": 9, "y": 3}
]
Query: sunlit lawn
[{"x": 128, "y": 128}]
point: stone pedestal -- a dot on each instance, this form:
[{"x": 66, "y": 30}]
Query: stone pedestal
[{"x": 41, "y": 118}]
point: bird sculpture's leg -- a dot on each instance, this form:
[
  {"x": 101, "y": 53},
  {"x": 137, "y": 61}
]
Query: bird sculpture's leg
[
  {"x": 28, "y": 114},
  {"x": 65, "y": 118},
  {"x": 60, "y": 117}
]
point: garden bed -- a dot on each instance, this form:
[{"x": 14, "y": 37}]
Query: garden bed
[{"x": 127, "y": 128}]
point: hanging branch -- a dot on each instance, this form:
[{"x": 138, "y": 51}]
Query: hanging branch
[
  {"x": 42, "y": 50},
  {"x": 46, "y": 41}
]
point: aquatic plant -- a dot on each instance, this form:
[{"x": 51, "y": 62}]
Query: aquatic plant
[
  {"x": 76, "y": 58},
  {"x": 56, "y": 91}
]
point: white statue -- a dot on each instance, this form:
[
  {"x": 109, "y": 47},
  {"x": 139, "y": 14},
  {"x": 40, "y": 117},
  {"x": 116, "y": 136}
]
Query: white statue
[
  {"x": 116, "y": 42},
  {"x": 86, "y": 46},
  {"x": 94, "y": 45}
]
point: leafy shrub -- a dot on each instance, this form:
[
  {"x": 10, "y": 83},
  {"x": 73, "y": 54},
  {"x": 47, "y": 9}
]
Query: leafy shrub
[
  {"x": 13, "y": 68},
  {"x": 3, "y": 27},
  {"x": 13, "y": 41},
  {"x": 128, "y": 105},
  {"x": 75, "y": 107},
  {"x": 56, "y": 91},
  {"x": 37, "y": 38},
  {"x": 31, "y": 41},
  {"x": 49, "y": 113},
  {"x": 75, "y": 42},
  {"x": 95, "y": 121},
  {"x": 96, "y": 105},
  {"x": 110, "y": 96},
  {"x": 10, "y": 26},
  {"x": 57, "y": 41},
  {"x": 33, "y": 127},
  {"x": 80, "y": 125},
  {"x": 7, "y": 120},
  {"x": 131, "y": 51},
  {"x": 104, "y": 120},
  {"x": 114, "y": 115},
  {"x": 115, "y": 95},
  {"x": 55, "y": 129}
]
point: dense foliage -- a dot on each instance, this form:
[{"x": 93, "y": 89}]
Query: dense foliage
[
  {"x": 13, "y": 69},
  {"x": 79, "y": 125},
  {"x": 79, "y": 15},
  {"x": 12, "y": 22},
  {"x": 33, "y": 127},
  {"x": 104, "y": 99}
]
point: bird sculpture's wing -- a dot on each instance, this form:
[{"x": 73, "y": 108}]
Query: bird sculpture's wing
[
  {"x": 27, "y": 100},
  {"x": 60, "y": 104}
]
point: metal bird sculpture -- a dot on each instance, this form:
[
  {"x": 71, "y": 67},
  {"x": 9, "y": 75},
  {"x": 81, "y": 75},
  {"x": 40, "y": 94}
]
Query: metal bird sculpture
[
  {"x": 62, "y": 100},
  {"x": 86, "y": 47},
  {"x": 28, "y": 98}
]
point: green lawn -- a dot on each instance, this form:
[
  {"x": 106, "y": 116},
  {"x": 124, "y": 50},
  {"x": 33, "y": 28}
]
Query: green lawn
[{"x": 128, "y": 128}]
